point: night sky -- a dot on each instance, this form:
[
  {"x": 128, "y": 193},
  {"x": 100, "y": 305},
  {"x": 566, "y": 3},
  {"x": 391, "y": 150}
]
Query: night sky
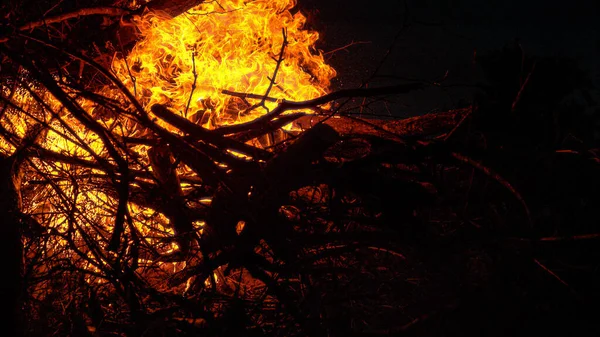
[{"x": 443, "y": 35}]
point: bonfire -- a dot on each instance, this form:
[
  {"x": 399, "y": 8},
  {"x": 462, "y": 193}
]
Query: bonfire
[{"x": 191, "y": 171}]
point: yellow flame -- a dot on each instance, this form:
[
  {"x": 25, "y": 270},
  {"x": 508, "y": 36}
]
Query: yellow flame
[
  {"x": 229, "y": 45},
  {"x": 186, "y": 63}
]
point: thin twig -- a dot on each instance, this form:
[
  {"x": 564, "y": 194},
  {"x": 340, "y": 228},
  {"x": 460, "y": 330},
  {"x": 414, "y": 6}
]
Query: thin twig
[
  {"x": 278, "y": 61},
  {"x": 353, "y": 43},
  {"x": 187, "y": 107},
  {"x": 133, "y": 79},
  {"x": 489, "y": 172},
  {"x": 518, "y": 98},
  {"x": 571, "y": 238},
  {"x": 553, "y": 274},
  {"x": 247, "y": 95},
  {"x": 265, "y": 97},
  {"x": 462, "y": 120},
  {"x": 391, "y": 252},
  {"x": 108, "y": 11}
]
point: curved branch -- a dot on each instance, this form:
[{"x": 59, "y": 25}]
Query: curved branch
[
  {"x": 107, "y": 11},
  {"x": 492, "y": 174}
]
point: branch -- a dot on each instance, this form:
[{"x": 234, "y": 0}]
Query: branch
[
  {"x": 278, "y": 61},
  {"x": 286, "y": 105},
  {"x": 197, "y": 132},
  {"x": 277, "y": 66},
  {"x": 271, "y": 126},
  {"x": 107, "y": 11},
  {"x": 518, "y": 97},
  {"x": 193, "y": 84},
  {"x": 489, "y": 172}
]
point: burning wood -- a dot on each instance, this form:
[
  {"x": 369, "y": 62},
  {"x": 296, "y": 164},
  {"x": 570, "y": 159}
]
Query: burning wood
[{"x": 150, "y": 194}]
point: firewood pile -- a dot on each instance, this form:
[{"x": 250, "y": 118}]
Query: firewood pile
[{"x": 123, "y": 218}]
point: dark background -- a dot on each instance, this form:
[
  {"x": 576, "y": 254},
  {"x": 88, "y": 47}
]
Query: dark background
[{"x": 448, "y": 35}]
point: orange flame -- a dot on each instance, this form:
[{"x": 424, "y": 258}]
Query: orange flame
[
  {"x": 257, "y": 47},
  {"x": 229, "y": 45}
]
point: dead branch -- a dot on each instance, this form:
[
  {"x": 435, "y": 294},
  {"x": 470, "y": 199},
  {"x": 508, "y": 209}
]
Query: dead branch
[
  {"x": 286, "y": 105},
  {"x": 197, "y": 132},
  {"x": 492, "y": 174},
  {"x": 571, "y": 238},
  {"x": 522, "y": 88},
  {"x": 106, "y": 11},
  {"x": 420, "y": 126},
  {"x": 187, "y": 107}
]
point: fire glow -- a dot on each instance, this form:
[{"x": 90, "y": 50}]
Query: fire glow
[
  {"x": 200, "y": 65},
  {"x": 188, "y": 61}
]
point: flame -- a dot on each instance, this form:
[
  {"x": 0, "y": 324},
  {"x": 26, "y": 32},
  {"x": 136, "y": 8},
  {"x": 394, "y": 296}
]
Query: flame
[
  {"x": 188, "y": 61},
  {"x": 191, "y": 63}
]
